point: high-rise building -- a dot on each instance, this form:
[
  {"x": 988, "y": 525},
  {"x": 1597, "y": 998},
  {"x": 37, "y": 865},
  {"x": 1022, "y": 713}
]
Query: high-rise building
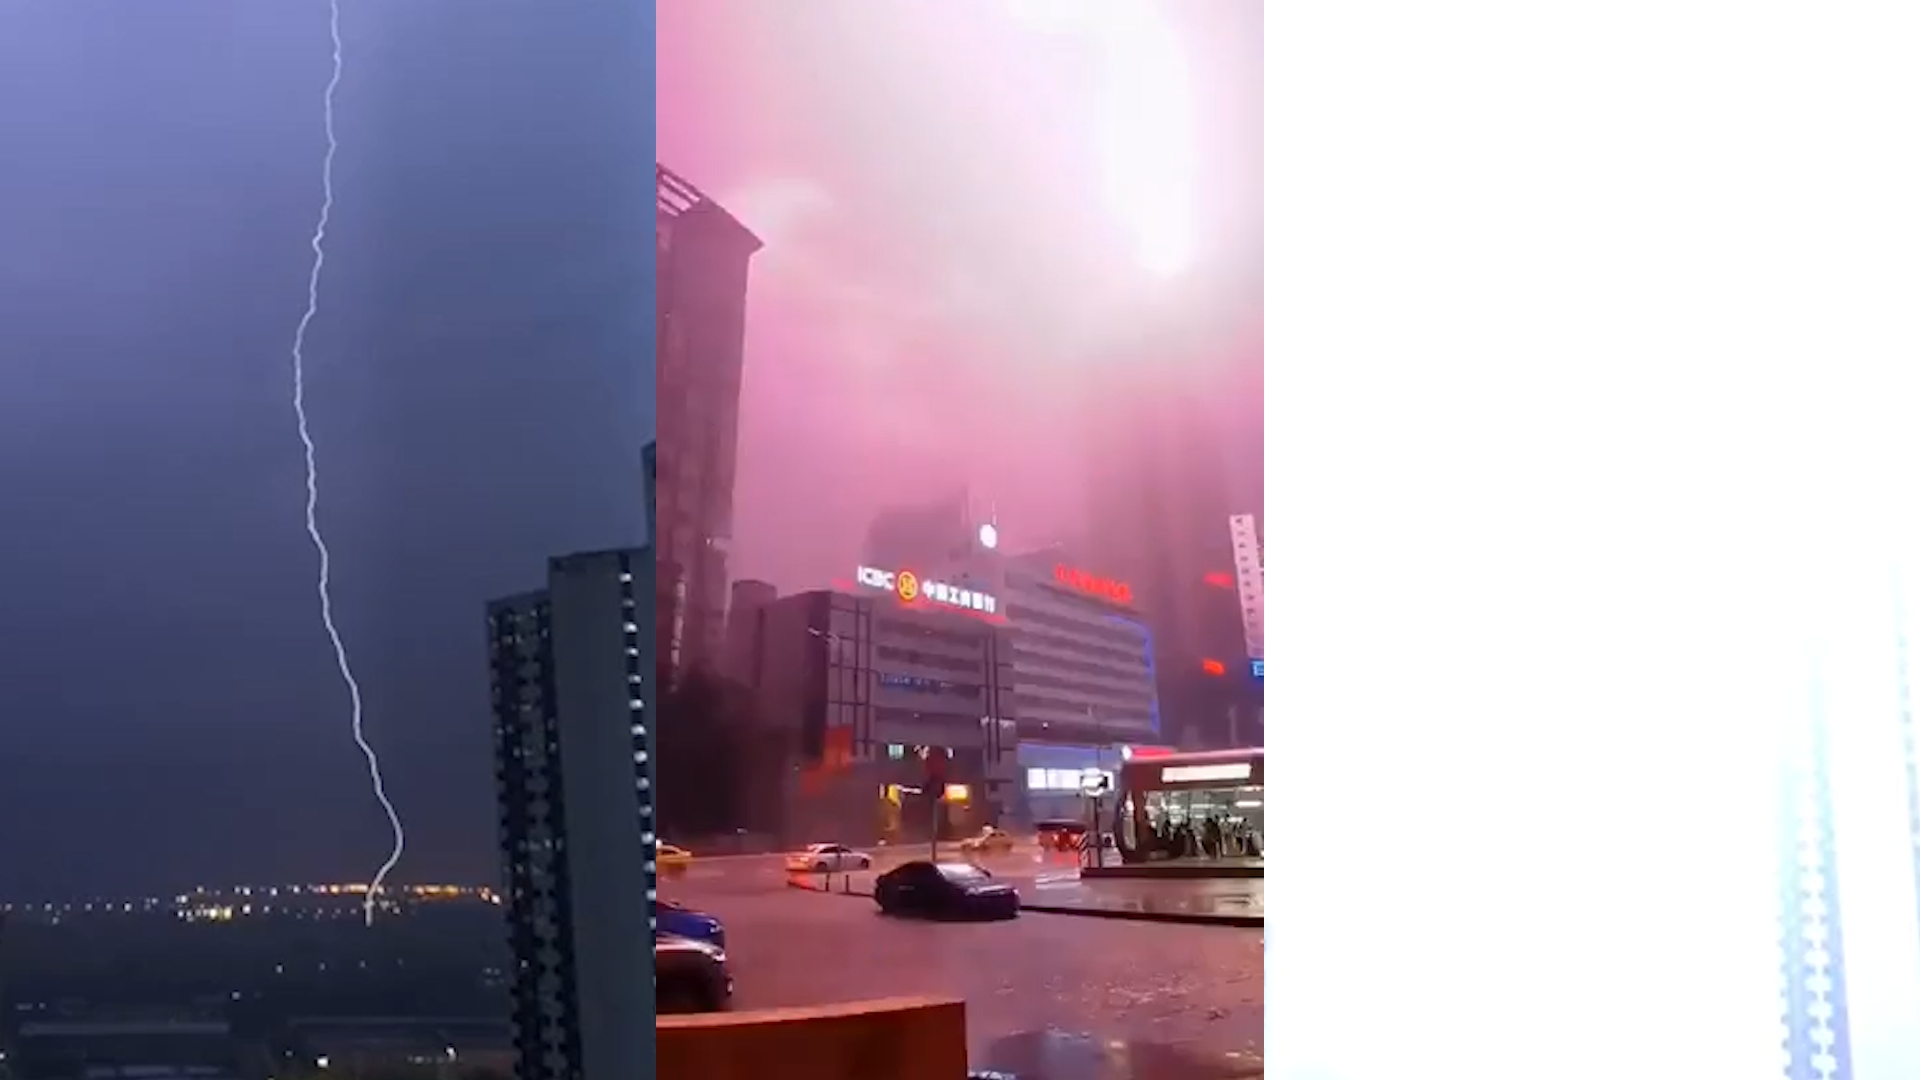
[
  {"x": 1849, "y": 870},
  {"x": 703, "y": 254},
  {"x": 1158, "y": 503},
  {"x": 572, "y": 680}
]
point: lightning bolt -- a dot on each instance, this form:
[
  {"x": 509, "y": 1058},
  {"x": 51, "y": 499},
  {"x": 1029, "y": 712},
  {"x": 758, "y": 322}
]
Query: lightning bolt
[{"x": 325, "y": 582}]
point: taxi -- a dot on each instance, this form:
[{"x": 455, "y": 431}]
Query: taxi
[
  {"x": 671, "y": 859},
  {"x": 991, "y": 841}
]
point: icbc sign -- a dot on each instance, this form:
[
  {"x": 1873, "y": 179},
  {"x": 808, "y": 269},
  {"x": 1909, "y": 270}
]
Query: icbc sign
[
  {"x": 909, "y": 587},
  {"x": 1093, "y": 584}
]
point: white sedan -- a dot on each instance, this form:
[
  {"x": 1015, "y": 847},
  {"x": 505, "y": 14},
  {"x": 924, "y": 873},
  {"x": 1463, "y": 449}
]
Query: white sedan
[{"x": 828, "y": 859}]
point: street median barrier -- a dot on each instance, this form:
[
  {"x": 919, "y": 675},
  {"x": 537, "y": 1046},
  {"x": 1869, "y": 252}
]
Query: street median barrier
[
  {"x": 838, "y": 884},
  {"x": 921, "y": 1038}
]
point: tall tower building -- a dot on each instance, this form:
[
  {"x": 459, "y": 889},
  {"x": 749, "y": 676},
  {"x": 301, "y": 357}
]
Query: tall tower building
[
  {"x": 1158, "y": 506},
  {"x": 572, "y": 679},
  {"x": 701, "y": 316},
  {"x": 1850, "y": 845}
]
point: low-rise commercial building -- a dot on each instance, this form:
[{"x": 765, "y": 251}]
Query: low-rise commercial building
[{"x": 870, "y": 684}]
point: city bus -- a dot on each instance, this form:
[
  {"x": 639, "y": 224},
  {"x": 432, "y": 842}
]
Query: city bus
[{"x": 1201, "y": 805}]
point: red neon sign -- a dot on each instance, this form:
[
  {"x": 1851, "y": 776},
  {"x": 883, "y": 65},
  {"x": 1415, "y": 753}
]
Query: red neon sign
[
  {"x": 1093, "y": 584},
  {"x": 1213, "y": 667},
  {"x": 1220, "y": 579}
]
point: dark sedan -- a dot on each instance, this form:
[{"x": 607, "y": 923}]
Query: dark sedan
[
  {"x": 690, "y": 976},
  {"x": 944, "y": 891}
]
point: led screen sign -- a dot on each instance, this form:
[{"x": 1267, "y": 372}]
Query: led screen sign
[
  {"x": 1105, "y": 588},
  {"x": 909, "y": 587},
  {"x": 1198, "y": 774},
  {"x": 1259, "y": 670}
]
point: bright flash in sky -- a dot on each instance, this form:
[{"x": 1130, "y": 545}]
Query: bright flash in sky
[
  {"x": 1146, "y": 119},
  {"x": 1147, "y": 134}
]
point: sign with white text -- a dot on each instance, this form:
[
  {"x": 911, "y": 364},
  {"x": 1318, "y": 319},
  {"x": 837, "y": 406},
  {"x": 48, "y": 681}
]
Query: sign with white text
[{"x": 908, "y": 586}]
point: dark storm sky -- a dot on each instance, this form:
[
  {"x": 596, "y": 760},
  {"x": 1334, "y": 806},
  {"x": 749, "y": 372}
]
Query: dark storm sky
[{"x": 480, "y": 382}]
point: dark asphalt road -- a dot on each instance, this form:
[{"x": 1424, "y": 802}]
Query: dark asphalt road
[{"x": 1196, "y": 988}]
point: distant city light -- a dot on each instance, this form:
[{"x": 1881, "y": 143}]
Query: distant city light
[{"x": 989, "y": 536}]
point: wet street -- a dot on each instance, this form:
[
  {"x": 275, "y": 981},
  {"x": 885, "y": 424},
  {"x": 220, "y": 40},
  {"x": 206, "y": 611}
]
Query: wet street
[
  {"x": 1049, "y": 997},
  {"x": 1044, "y": 881}
]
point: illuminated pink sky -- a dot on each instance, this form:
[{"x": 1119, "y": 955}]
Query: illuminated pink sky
[{"x": 946, "y": 277}]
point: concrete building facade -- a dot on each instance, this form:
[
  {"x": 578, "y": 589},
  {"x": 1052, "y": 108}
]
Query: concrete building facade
[{"x": 572, "y": 675}]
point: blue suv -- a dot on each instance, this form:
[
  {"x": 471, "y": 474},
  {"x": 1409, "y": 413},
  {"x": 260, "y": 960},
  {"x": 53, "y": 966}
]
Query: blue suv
[{"x": 684, "y": 922}]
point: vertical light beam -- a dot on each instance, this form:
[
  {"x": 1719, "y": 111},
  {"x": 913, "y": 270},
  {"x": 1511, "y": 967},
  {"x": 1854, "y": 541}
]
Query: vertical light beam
[{"x": 324, "y": 585}]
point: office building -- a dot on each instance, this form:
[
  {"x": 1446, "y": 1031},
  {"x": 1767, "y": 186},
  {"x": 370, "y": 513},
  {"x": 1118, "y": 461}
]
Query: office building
[
  {"x": 1079, "y": 675},
  {"x": 701, "y": 306},
  {"x": 870, "y": 680},
  {"x": 1083, "y": 676},
  {"x": 572, "y": 681}
]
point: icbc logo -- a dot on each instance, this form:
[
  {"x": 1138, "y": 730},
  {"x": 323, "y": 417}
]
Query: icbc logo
[{"x": 907, "y": 585}]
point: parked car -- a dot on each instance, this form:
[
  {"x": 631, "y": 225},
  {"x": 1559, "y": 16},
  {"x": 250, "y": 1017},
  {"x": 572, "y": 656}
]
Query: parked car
[
  {"x": 690, "y": 976},
  {"x": 682, "y": 921},
  {"x": 944, "y": 890},
  {"x": 828, "y": 859}
]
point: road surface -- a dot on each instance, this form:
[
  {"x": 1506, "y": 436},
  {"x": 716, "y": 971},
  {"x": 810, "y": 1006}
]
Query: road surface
[
  {"x": 1049, "y": 879},
  {"x": 1166, "y": 988}
]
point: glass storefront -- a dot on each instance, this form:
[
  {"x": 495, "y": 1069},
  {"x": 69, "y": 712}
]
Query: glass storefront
[
  {"x": 1203, "y": 823},
  {"x": 1207, "y": 805}
]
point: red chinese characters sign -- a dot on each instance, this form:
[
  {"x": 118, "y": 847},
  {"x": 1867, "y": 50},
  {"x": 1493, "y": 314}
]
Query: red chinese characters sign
[{"x": 1118, "y": 592}]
